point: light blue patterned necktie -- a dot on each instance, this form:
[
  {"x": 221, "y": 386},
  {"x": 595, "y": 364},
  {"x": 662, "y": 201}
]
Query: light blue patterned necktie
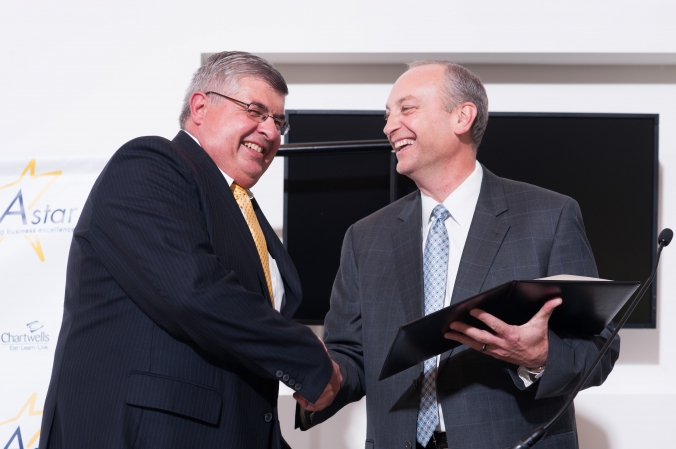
[{"x": 435, "y": 267}]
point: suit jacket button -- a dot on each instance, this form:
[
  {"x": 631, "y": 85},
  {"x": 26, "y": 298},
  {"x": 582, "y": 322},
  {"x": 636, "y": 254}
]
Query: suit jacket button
[
  {"x": 291, "y": 382},
  {"x": 297, "y": 387},
  {"x": 279, "y": 373},
  {"x": 285, "y": 378},
  {"x": 268, "y": 417},
  {"x": 407, "y": 444}
]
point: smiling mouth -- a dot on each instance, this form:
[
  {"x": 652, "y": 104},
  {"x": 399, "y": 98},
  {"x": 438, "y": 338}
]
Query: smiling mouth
[
  {"x": 403, "y": 144},
  {"x": 253, "y": 146}
]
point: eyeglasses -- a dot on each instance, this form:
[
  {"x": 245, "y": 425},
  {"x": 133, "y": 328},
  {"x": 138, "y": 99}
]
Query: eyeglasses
[{"x": 258, "y": 114}]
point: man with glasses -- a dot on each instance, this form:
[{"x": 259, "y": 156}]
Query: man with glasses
[
  {"x": 176, "y": 328},
  {"x": 464, "y": 231}
]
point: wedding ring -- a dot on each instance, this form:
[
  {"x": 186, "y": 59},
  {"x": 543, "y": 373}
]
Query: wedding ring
[{"x": 484, "y": 348}]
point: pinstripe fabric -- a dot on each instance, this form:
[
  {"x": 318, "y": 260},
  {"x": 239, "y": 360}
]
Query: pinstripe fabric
[
  {"x": 518, "y": 231},
  {"x": 168, "y": 337},
  {"x": 244, "y": 203}
]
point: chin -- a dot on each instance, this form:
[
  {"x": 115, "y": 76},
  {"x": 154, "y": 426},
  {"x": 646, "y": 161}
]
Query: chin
[{"x": 403, "y": 169}]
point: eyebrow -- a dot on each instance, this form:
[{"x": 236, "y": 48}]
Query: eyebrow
[
  {"x": 406, "y": 98},
  {"x": 267, "y": 111},
  {"x": 401, "y": 100}
]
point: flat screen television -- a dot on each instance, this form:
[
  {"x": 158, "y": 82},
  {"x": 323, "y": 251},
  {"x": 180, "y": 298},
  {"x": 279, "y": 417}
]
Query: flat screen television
[{"x": 607, "y": 162}]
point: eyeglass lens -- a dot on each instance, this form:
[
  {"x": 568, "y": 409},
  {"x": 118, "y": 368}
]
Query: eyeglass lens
[{"x": 261, "y": 116}]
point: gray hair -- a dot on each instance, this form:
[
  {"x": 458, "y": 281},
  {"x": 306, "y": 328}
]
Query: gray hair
[
  {"x": 222, "y": 71},
  {"x": 463, "y": 86}
]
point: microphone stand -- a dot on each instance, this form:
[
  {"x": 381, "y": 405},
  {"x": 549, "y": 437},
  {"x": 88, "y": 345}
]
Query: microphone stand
[{"x": 536, "y": 435}]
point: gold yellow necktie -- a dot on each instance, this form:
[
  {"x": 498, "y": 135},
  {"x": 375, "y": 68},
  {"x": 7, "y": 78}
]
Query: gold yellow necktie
[{"x": 244, "y": 202}]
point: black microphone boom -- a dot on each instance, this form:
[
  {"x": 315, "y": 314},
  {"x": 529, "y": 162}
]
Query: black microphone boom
[{"x": 536, "y": 435}]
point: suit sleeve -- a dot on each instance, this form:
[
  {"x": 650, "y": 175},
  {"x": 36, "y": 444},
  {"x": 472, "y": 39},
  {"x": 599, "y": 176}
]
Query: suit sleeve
[
  {"x": 148, "y": 228},
  {"x": 569, "y": 356},
  {"x": 343, "y": 337}
]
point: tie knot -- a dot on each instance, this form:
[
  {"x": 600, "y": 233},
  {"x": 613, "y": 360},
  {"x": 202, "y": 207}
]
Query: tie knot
[
  {"x": 239, "y": 193},
  {"x": 440, "y": 213}
]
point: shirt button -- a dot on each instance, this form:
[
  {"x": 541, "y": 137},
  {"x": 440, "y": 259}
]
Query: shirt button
[
  {"x": 285, "y": 378},
  {"x": 279, "y": 373},
  {"x": 291, "y": 382},
  {"x": 268, "y": 417},
  {"x": 297, "y": 387}
]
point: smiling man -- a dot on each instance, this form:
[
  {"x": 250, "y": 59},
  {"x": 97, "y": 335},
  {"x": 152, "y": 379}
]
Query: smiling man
[
  {"x": 464, "y": 231},
  {"x": 176, "y": 328}
]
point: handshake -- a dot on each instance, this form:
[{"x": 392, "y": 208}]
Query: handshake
[{"x": 327, "y": 395}]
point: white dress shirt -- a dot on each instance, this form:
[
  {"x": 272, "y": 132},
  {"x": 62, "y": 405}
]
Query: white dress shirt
[
  {"x": 460, "y": 204},
  {"x": 278, "y": 292}
]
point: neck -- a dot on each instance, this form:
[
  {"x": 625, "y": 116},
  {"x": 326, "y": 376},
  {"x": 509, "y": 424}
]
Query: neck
[
  {"x": 440, "y": 182},
  {"x": 191, "y": 129}
]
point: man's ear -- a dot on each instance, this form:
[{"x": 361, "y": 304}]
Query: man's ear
[
  {"x": 466, "y": 114},
  {"x": 198, "y": 104}
]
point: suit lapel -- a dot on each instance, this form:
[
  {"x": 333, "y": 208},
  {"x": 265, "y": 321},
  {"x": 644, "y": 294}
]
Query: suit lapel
[
  {"x": 486, "y": 234},
  {"x": 407, "y": 248},
  {"x": 235, "y": 217},
  {"x": 286, "y": 268},
  {"x": 485, "y": 237}
]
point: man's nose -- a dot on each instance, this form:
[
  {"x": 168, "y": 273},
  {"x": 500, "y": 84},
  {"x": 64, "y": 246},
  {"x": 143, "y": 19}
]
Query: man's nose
[
  {"x": 391, "y": 125},
  {"x": 268, "y": 128}
]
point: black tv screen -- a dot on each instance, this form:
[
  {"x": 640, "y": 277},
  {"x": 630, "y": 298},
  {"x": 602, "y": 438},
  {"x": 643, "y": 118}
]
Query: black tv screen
[{"x": 607, "y": 162}]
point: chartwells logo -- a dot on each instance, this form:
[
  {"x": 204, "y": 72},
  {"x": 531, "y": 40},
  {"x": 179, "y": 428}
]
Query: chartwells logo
[{"x": 34, "y": 338}]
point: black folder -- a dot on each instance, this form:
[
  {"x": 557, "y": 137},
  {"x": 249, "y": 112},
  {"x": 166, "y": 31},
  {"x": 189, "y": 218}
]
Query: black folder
[{"x": 588, "y": 306}]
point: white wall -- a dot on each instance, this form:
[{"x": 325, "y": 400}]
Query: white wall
[{"x": 81, "y": 78}]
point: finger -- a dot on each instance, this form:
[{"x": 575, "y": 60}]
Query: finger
[
  {"x": 304, "y": 403},
  {"x": 324, "y": 401},
  {"x": 462, "y": 338},
  {"x": 473, "y": 333},
  {"x": 322, "y": 342},
  {"x": 337, "y": 374},
  {"x": 546, "y": 310},
  {"x": 491, "y": 321},
  {"x": 465, "y": 340},
  {"x": 311, "y": 408},
  {"x": 454, "y": 335}
]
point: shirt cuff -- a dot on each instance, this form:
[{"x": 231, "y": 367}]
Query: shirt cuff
[{"x": 528, "y": 377}]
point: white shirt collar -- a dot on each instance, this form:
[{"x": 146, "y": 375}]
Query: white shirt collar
[
  {"x": 225, "y": 175},
  {"x": 193, "y": 137},
  {"x": 460, "y": 203}
]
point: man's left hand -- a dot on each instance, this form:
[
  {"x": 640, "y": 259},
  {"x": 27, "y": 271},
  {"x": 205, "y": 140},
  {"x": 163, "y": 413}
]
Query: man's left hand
[{"x": 526, "y": 345}]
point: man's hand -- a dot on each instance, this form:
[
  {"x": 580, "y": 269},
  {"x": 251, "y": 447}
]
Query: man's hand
[
  {"x": 526, "y": 345},
  {"x": 327, "y": 396}
]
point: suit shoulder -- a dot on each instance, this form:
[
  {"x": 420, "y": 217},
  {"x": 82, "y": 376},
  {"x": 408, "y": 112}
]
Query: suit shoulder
[
  {"x": 145, "y": 158},
  {"x": 153, "y": 150},
  {"x": 385, "y": 216},
  {"x": 152, "y": 144},
  {"x": 521, "y": 194}
]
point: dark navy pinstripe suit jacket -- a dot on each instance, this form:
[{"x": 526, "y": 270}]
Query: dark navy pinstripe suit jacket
[
  {"x": 518, "y": 231},
  {"x": 168, "y": 337}
]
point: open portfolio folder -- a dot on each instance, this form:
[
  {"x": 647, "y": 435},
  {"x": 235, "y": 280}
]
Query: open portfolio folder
[{"x": 589, "y": 304}]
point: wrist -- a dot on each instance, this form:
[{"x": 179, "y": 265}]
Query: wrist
[{"x": 536, "y": 371}]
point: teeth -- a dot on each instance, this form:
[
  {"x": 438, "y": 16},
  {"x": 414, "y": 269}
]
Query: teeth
[
  {"x": 401, "y": 143},
  {"x": 253, "y": 146}
]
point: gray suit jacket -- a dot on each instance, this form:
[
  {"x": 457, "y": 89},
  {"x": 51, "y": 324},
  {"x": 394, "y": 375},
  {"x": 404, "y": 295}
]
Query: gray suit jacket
[{"x": 518, "y": 231}]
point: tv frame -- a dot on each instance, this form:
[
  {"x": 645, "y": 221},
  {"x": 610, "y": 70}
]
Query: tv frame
[{"x": 290, "y": 152}]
